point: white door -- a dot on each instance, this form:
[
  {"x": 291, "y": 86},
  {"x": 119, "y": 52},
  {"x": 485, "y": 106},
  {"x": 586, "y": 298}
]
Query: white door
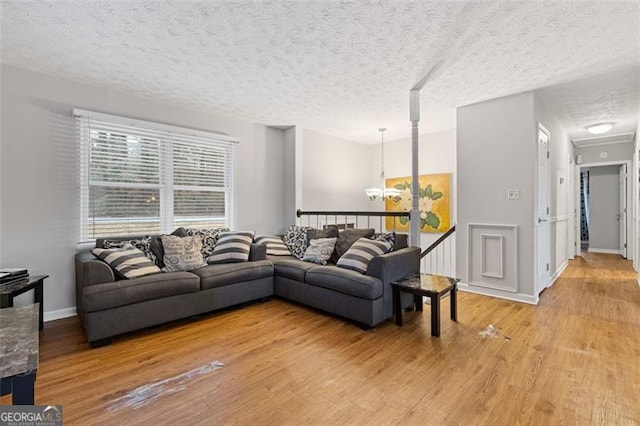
[
  {"x": 542, "y": 213},
  {"x": 622, "y": 215}
]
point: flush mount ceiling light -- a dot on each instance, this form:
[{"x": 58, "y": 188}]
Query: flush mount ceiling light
[
  {"x": 599, "y": 128},
  {"x": 382, "y": 190}
]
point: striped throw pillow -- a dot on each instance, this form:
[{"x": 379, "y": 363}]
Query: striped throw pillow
[
  {"x": 360, "y": 254},
  {"x": 275, "y": 246},
  {"x": 143, "y": 244},
  {"x": 128, "y": 262},
  {"x": 232, "y": 247}
]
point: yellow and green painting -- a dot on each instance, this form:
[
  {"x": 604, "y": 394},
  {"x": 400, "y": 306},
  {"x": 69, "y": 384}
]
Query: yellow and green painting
[{"x": 434, "y": 203}]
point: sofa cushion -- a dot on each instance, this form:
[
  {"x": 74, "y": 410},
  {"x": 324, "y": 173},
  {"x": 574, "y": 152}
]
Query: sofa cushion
[
  {"x": 218, "y": 275},
  {"x": 361, "y": 252},
  {"x": 291, "y": 267},
  {"x": 182, "y": 253},
  {"x": 109, "y": 295},
  {"x": 232, "y": 247},
  {"x": 128, "y": 262},
  {"x": 345, "y": 281}
]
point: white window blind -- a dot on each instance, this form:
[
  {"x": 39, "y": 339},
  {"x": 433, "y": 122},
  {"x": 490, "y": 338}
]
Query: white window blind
[{"x": 141, "y": 178}]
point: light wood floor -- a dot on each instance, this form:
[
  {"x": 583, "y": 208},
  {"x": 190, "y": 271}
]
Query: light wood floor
[{"x": 574, "y": 359}]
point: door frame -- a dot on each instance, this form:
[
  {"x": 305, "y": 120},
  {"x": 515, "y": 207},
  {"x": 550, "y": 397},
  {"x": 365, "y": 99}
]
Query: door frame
[
  {"x": 539, "y": 287},
  {"x": 631, "y": 246}
]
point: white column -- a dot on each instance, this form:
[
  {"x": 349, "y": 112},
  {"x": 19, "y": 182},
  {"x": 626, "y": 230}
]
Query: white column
[{"x": 414, "y": 114}]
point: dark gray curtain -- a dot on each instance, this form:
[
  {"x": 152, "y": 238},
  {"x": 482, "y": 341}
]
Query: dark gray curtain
[{"x": 584, "y": 206}]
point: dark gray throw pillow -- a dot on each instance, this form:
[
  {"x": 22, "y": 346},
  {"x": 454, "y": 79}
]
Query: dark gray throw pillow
[
  {"x": 158, "y": 250},
  {"x": 402, "y": 241},
  {"x": 330, "y": 232},
  {"x": 349, "y": 236}
]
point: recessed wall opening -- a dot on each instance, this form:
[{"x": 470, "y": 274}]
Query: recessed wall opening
[{"x": 603, "y": 200}]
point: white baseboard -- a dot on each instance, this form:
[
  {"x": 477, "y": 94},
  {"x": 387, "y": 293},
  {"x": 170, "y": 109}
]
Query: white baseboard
[
  {"x": 558, "y": 272},
  {"x": 515, "y": 297},
  {"x": 59, "y": 314},
  {"x": 606, "y": 251}
]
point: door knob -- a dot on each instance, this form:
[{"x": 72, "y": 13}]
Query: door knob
[{"x": 541, "y": 220}]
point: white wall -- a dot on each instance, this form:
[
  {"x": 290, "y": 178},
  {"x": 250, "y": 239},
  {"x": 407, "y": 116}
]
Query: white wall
[
  {"x": 604, "y": 231},
  {"x": 614, "y": 152},
  {"x": 39, "y": 171},
  {"x": 289, "y": 176},
  {"x": 635, "y": 197},
  {"x": 335, "y": 172},
  {"x": 437, "y": 154},
  {"x": 496, "y": 151},
  {"x": 561, "y": 189}
]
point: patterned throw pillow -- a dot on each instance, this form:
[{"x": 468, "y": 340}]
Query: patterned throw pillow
[
  {"x": 182, "y": 253},
  {"x": 296, "y": 240},
  {"x": 158, "y": 250},
  {"x": 143, "y": 244},
  {"x": 319, "y": 250},
  {"x": 209, "y": 238},
  {"x": 385, "y": 237},
  {"x": 275, "y": 245},
  {"x": 128, "y": 262},
  {"x": 232, "y": 247},
  {"x": 360, "y": 254}
]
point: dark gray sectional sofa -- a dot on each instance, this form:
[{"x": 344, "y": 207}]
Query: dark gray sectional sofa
[{"x": 108, "y": 306}]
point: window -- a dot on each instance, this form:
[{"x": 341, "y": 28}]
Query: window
[{"x": 145, "y": 178}]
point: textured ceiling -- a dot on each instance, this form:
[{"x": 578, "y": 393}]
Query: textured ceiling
[{"x": 342, "y": 68}]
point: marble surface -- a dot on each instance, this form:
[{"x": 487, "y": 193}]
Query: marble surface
[
  {"x": 428, "y": 282},
  {"x": 18, "y": 340},
  {"x": 17, "y": 287}
]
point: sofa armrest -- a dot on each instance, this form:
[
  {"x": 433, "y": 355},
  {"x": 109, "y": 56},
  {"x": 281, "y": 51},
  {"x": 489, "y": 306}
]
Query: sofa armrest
[
  {"x": 395, "y": 265},
  {"x": 90, "y": 271},
  {"x": 257, "y": 252}
]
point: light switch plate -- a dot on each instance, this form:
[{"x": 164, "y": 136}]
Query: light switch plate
[{"x": 513, "y": 194}]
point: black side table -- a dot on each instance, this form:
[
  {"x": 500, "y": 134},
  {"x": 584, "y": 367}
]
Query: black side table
[
  {"x": 433, "y": 286},
  {"x": 9, "y": 291}
]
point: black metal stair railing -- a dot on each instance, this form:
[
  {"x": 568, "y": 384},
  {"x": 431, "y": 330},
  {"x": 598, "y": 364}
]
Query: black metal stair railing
[
  {"x": 354, "y": 219},
  {"x": 439, "y": 257}
]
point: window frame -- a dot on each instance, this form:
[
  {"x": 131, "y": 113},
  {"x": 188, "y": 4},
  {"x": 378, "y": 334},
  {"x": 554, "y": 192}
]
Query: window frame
[{"x": 167, "y": 135}]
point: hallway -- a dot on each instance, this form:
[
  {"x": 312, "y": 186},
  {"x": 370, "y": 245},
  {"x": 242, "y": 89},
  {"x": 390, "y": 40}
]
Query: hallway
[{"x": 593, "y": 340}]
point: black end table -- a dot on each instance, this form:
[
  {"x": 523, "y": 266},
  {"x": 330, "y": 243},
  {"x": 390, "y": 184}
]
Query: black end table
[
  {"x": 433, "y": 286},
  {"x": 9, "y": 291}
]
